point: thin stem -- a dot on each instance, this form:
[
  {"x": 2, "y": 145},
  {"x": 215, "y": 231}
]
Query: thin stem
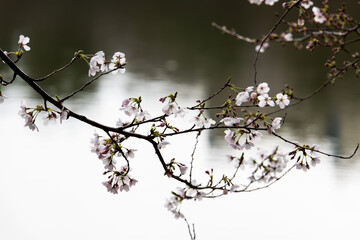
[{"x": 268, "y": 35}]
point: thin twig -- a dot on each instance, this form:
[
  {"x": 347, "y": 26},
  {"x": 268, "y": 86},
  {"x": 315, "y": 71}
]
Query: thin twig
[
  {"x": 268, "y": 35},
  {"x": 193, "y": 153},
  {"x": 85, "y": 85},
  {"x": 57, "y": 70}
]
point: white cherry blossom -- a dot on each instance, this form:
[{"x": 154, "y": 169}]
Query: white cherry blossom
[
  {"x": 276, "y": 124},
  {"x": 242, "y": 97},
  {"x": 282, "y": 100},
  {"x": 23, "y": 41},
  {"x": 170, "y": 108},
  {"x": 229, "y": 121},
  {"x": 265, "y": 99},
  {"x": 117, "y": 62},
  {"x": 262, "y": 88},
  {"x": 306, "y": 4},
  {"x": 265, "y": 46},
  {"x": 319, "y": 17}
]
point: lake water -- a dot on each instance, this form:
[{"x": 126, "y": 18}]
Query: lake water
[{"x": 50, "y": 182}]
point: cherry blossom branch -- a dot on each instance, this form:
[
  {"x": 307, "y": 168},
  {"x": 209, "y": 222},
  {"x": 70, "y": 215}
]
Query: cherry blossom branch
[
  {"x": 227, "y": 84},
  {"x": 85, "y": 85},
  {"x": 318, "y": 151},
  {"x": 76, "y": 57},
  {"x": 192, "y": 155}
]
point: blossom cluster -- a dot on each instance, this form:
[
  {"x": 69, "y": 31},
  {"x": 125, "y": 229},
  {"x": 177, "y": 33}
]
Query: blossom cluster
[
  {"x": 106, "y": 150},
  {"x": 267, "y": 166},
  {"x": 317, "y": 13},
  {"x": 132, "y": 108},
  {"x": 172, "y": 108},
  {"x": 98, "y": 63},
  {"x": 30, "y": 115},
  {"x": 260, "y": 97},
  {"x": 304, "y": 154}
]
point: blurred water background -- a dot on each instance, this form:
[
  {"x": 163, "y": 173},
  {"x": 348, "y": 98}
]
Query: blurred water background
[{"x": 50, "y": 182}]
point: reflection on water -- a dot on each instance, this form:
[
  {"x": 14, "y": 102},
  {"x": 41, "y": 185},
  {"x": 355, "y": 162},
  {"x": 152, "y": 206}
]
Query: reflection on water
[{"x": 170, "y": 47}]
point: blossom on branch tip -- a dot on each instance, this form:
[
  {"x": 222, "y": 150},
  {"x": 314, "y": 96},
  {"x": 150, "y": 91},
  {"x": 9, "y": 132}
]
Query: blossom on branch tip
[
  {"x": 50, "y": 118},
  {"x": 267, "y": 2},
  {"x": 23, "y": 41},
  {"x": 183, "y": 169},
  {"x": 241, "y": 98},
  {"x": 229, "y": 121},
  {"x": 170, "y": 108},
  {"x": 306, "y": 4},
  {"x": 28, "y": 116},
  {"x": 64, "y": 115},
  {"x": 262, "y": 88},
  {"x": 265, "y": 46},
  {"x": 276, "y": 124},
  {"x": 98, "y": 58},
  {"x": 117, "y": 63},
  {"x": 288, "y": 37},
  {"x": 319, "y": 17},
  {"x": 162, "y": 144},
  {"x": 201, "y": 121}
]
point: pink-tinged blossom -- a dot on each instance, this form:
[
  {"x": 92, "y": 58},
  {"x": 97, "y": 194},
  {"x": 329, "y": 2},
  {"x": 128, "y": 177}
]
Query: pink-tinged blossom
[
  {"x": 124, "y": 187},
  {"x": 50, "y": 118},
  {"x": 120, "y": 123},
  {"x": 110, "y": 187},
  {"x": 64, "y": 115},
  {"x": 143, "y": 115},
  {"x": 98, "y": 58},
  {"x": 265, "y": 46},
  {"x": 262, "y": 88},
  {"x": 163, "y": 144},
  {"x": 132, "y": 182},
  {"x": 255, "y": 136},
  {"x": 249, "y": 89},
  {"x": 270, "y": 2},
  {"x": 282, "y": 100},
  {"x": 241, "y": 98},
  {"x": 233, "y": 139},
  {"x": 201, "y": 121},
  {"x": 267, "y": 2},
  {"x": 276, "y": 124},
  {"x": 181, "y": 112},
  {"x": 130, "y": 109},
  {"x": 301, "y": 21},
  {"x": 314, "y": 155},
  {"x": 208, "y": 122},
  {"x": 306, "y": 4},
  {"x": 125, "y": 102},
  {"x": 229, "y": 121},
  {"x": 170, "y": 108},
  {"x": 130, "y": 153},
  {"x": 265, "y": 99},
  {"x": 199, "y": 195},
  {"x": 319, "y": 17},
  {"x": 23, "y": 41},
  {"x": 258, "y": 2},
  {"x": 28, "y": 116},
  {"x": 183, "y": 169},
  {"x": 117, "y": 62},
  {"x": 288, "y": 37}
]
